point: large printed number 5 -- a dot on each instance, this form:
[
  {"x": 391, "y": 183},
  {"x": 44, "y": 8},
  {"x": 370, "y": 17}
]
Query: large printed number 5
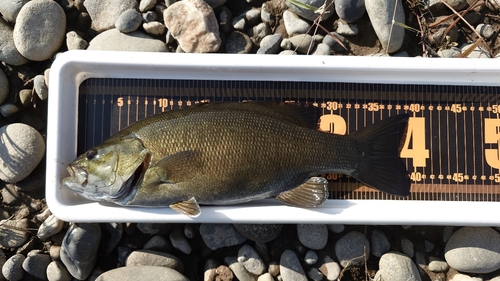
[
  {"x": 414, "y": 146},
  {"x": 492, "y": 136}
]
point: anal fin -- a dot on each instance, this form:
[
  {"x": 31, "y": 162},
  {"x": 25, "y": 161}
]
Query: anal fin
[
  {"x": 189, "y": 207},
  {"x": 309, "y": 194}
]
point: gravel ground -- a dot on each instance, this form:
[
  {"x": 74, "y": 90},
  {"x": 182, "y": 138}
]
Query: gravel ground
[{"x": 35, "y": 245}]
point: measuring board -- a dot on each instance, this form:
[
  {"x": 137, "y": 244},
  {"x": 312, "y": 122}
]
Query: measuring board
[{"x": 452, "y": 148}]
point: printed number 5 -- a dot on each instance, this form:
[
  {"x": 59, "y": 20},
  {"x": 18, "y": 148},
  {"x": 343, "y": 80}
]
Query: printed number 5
[
  {"x": 414, "y": 146},
  {"x": 492, "y": 136}
]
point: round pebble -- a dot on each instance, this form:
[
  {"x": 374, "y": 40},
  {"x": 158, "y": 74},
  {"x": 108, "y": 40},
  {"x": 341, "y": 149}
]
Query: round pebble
[
  {"x": 270, "y": 44},
  {"x": 49, "y": 227},
  {"x": 75, "y": 41},
  {"x": 154, "y": 28},
  {"x": 438, "y": 265},
  {"x": 396, "y": 266},
  {"x": 350, "y": 10},
  {"x": 265, "y": 277},
  {"x": 179, "y": 241},
  {"x": 4, "y": 87},
  {"x": 352, "y": 249},
  {"x": 321, "y": 50},
  {"x": 311, "y": 257},
  {"x": 313, "y": 236},
  {"x": 379, "y": 243},
  {"x": 251, "y": 260},
  {"x": 303, "y": 43},
  {"x": 485, "y": 30},
  {"x": 55, "y": 252},
  {"x": 114, "y": 40},
  {"x": 104, "y": 13},
  {"x": 333, "y": 44},
  {"x": 294, "y": 24},
  {"x": 12, "y": 270},
  {"x": 57, "y": 272},
  {"x": 336, "y": 228},
  {"x": 36, "y": 264},
  {"x": 474, "y": 250},
  {"x": 259, "y": 232},
  {"x": 9, "y": 53},
  {"x": 10, "y": 9},
  {"x": 349, "y": 29},
  {"x": 238, "y": 43},
  {"x": 315, "y": 274},
  {"x": 217, "y": 236},
  {"x": 290, "y": 267},
  {"x": 8, "y": 109},
  {"x": 128, "y": 21},
  {"x": 133, "y": 273},
  {"x": 40, "y": 88},
  {"x": 381, "y": 14},
  {"x": 330, "y": 268},
  {"x": 145, "y": 5},
  {"x": 238, "y": 269},
  {"x": 158, "y": 243},
  {"x": 23, "y": 148},
  {"x": 154, "y": 258},
  {"x": 35, "y": 38}
]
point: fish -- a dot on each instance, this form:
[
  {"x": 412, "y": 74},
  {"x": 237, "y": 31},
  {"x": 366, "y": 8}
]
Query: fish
[{"x": 231, "y": 153}]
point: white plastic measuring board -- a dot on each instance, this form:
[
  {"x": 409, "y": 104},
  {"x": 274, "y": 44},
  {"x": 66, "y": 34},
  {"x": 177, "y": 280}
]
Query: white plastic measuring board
[{"x": 452, "y": 149}]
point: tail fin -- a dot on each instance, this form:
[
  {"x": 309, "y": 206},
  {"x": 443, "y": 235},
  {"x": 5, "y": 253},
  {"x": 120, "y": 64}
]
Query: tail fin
[{"x": 380, "y": 165}]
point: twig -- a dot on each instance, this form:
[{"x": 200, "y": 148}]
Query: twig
[{"x": 392, "y": 26}]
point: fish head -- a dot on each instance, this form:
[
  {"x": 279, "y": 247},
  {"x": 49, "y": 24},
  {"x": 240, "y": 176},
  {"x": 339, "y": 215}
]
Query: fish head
[{"x": 107, "y": 172}]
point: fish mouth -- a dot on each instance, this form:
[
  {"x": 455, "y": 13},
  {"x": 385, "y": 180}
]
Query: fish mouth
[{"x": 77, "y": 179}]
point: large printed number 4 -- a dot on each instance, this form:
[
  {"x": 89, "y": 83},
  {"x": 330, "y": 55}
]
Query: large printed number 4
[{"x": 414, "y": 146}]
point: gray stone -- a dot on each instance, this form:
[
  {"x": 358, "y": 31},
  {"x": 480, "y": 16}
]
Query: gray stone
[
  {"x": 336, "y": 228},
  {"x": 395, "y": 266},
  {"x": 474, "y": 250},
  {"x": 321, "y": 50},
  {"x": 123, "y": 252},
  {"x": 330, "y": 268},
  {"x": 381, "y": 13},
  {"x": 75, "y": 41},
  {"x": 22, "y": 149},
  {"x": 333, "y": 44},
  {"x": 311, "y": 257},
  {"x": 217, "y": 236},
  {"x": 347, "y": 28},
  {"x": 128, "y": 21},
  {"x": 352, "y": 249},
  {"x": 238, "y": 43},
  {"x": 379, "y": 243},
  {"x": 158, "y": 243},
  {"x": 49, "y": 227},
  {"x": 10, "y": 9},
  {"x": 251, "y": 260},
  {"x": 154, "y": 28},
  {"x": 193, "y": 24},
  {"x": 315, "y": 274},
  {"x": 420, "y": 262},
  {"x": 310, "y": 14},
  {"x": 447, "y": 232},
  {"x": 179, "y": 241},
  {"x": 57, "y": 272},
  {"x": 13, "y": 233},
  {"x": 36, "y": 264},
  {"x": 12, "y": 270},
  {"x": 261, "y": 248},
  {"x": 146, "y": 5},
  {"x": 155, "y": 228},
  {"x": 438, "y": 265},
  {"x": 225, "y": 20},
  {"x": 114, "y": 40},
  {"x": 154, "y": 258},
  {"x": 133, "y": 273},
  {"x": 478, "y": 52},
  {"x": 294, "y": 24},
  {"x": 270, "y": 44},
  {"x": 238, "y": 269},
  {"x": 436, "y": 6},
  {"x": 453, "y": 52},
  {"x": 350, "y": 10},
  {"x": 4, "y": 86},
  {"x": 290, "y": 267},
  {"x": 35, "y": 37},
  {"x": 8, "y": 109},
  {"x": 266, "y": 14},
  {"x": 252, "y": 16},
  {"x": 313, "y": 236},
  {"x": 302, "y": 43},
  {"x": 114, "y": 232},
  {"x": 429, "y": 246},
  {"x": 148, "y": 16},
  {"x": 104, "y": 13},
  {"x": 40, "y": 88},
  {"x": 190, "y": 230},
  {"x": 258, "y": 32},
  {"x": 79, "y": 248},
  {"x": 259, "y": 232},
  {"x": 485, "y": 30},
  {"x": 9, "y": 53},
  {"x": 407, "y": 247},
  {"x": 239, "y": 23}
]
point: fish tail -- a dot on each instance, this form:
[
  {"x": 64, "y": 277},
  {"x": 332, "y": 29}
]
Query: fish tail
[{"x": 379, "y": 164}]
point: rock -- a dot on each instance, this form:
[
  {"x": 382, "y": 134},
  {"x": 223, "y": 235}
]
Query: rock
[
  {"x": 9, "y": 53},
  {"x": 114, "y": 40},
  {"x": 346, "y": 28},
  {"x": 321, "y": 50},
  {"x": 265, "y": 277},
  {"x": 133, "y": 273},
  {"x": 215, "y": 3},
  {"x": 310, "y": 14},
  {"x": 313, "y": 236},
  {"x": 155, "y": 228},
  {"x": 442, "y": 32},
  {"x": 238, "y": 269},
  {"x": 128, "y": 21},
  {"x": 259, "y": 232},
  {"x": 333, "y": 44},
  {"x": 49, "y": 227},
  {"x": 79, "y": 248},
  {"x": 350, "y": 10},
  {"x": 154, "y": 28},
  {"x": 315, "y": 274},
  {"x": 258, "y": 32},
  {"x": 379, "y": 243},
  {"x": 485, "y": 30},
  {"x": 8, "y": 109},
  {"x": 104, "y": 13},
  {"x": 22, "y": 149},
  {"x": 463, "y": 277},
  {"x": 447, "y": 232},
  {"x": 436, "y": 6},
  {"x": 57, "y": 272},
  {"x": 478, "y": 52},
  {"x": 12, "y": 270},
  {"x": 154, "y": 258},
  {"x": 225, "y": 20},
  {"x": 429, "y": 246},
  {"x": 55, "y": 252},
  {"x": 381, "y": 14},
  {"x": 267, "y": 14},
  {"x": 40, "y": 88},
  {"x": 407, "y": 247},
  {"x": 179, "y": 241},
  {"x": 295, "y": 25},
  {"x": 311, "y": 257},
  {"x": 238, "y": 43},
  {"x": 395, "y": 266},
  {"x": 190, "y": 230},
  {"x": 290, "y": 267},
  {"x": 223, "y": 273},
  {"x": 270, "y": 44},
  {"x": 113, "y": 232},
  {"x": 336, "y": 228},
  {"x": 36, "y": 264},
  {"x": 158, "y": 243},
  {"x": 474, "y": 250},
  {"x": 420, "y": 262},
  {"x": 251, "y": 260},
  {"x": 193, "y": 24},
  {"x": 4, "y": 87},
  {"x": 217, "y": 236},
  {"x": 330, "y": 268},
  {"x": 438, "y": 265},
  {"x": 287, "y": 52},
  {"x": 453, "y": 52},
  {"x": 352, "y": 249},
  {"x": 10, "y": 9},
  {"x": 303, "y": 43},
  {"x": 75, "y": 41},
  {"x": 148, "y": 16},
  {"x": 145, "y": 5},
  {"x": 239, "y": 23},
  {"x": 209, "y": 270},
  {"x": 35, "y": 37}
]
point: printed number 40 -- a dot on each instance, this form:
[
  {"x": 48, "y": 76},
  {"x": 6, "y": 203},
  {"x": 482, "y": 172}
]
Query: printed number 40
[{"x": 414, "y": 146}]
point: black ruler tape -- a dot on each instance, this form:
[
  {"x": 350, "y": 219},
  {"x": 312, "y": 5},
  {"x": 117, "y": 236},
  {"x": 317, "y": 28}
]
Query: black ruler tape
[{"x": 452, "y": 149}]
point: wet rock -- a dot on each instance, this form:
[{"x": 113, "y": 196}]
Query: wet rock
[
  {"x": 104, "y": 13},
  {"x": 395, "y": 266},
  {"x": 381, "y": 13},
  {"x": 133, "y": 273},
  {"x": 259, "y": 232},
  {"x": 193, "y": 24},
  {"x": 114, "y": 40},
  {"x": 352, "y": 249},
  {"x": 217, "y": 236},
  {"x": 290, "y": 267},
  {"x": 154, "y": 258}
]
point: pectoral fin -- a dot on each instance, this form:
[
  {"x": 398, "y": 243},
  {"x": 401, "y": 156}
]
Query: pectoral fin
[
  {"x": 189, "y": 207},
  {"x": 309, "y": 194}
]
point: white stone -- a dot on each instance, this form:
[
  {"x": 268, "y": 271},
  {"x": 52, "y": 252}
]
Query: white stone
[
  {"x": 104, "y": 13},
  {"x": 114, "y": 40}
]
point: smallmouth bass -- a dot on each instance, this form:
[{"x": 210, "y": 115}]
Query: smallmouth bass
[{"x": 230, "y": 153}]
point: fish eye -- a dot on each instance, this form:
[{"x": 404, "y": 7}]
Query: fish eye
[{"x": 91, "y": 154}]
